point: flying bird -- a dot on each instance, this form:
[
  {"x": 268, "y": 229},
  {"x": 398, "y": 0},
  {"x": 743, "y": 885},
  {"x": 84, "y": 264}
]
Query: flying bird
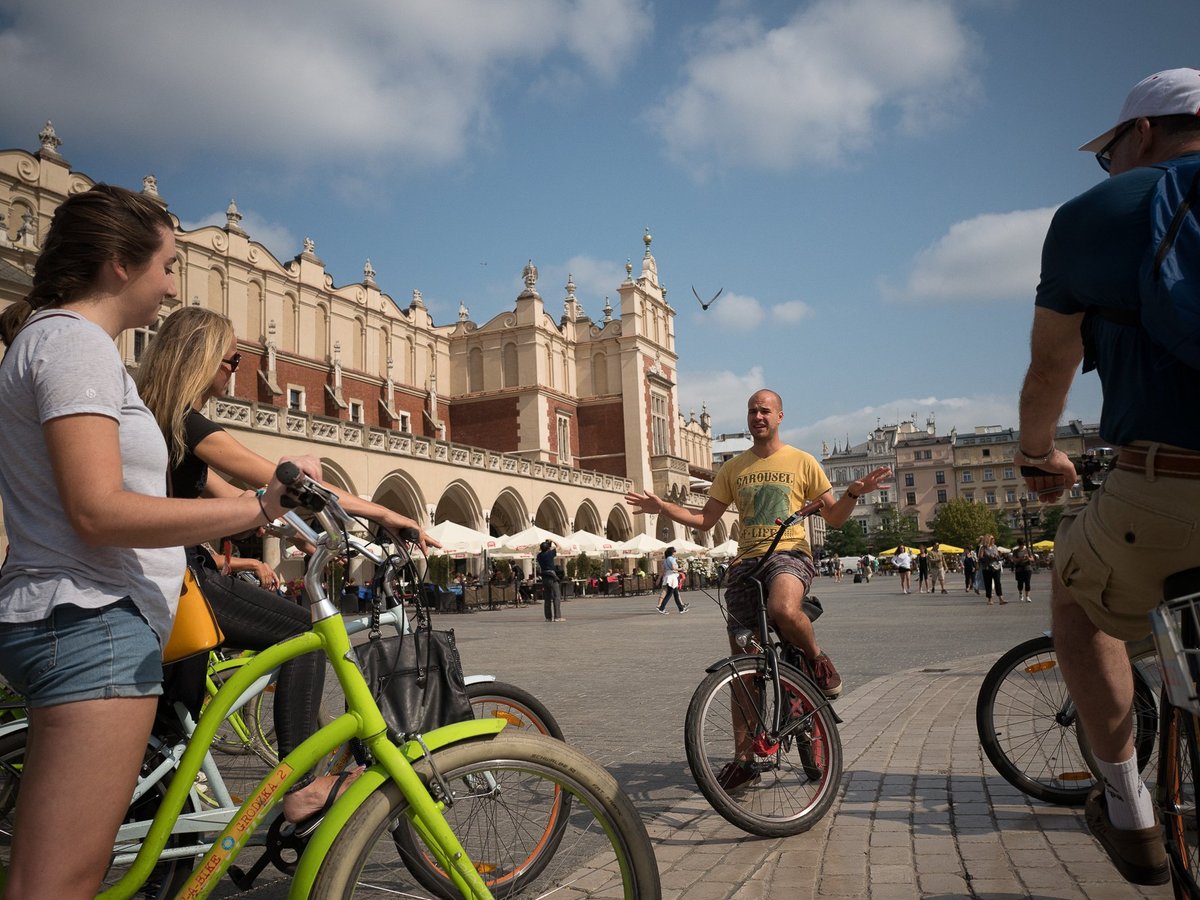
[{"x": 704, "y": 305}]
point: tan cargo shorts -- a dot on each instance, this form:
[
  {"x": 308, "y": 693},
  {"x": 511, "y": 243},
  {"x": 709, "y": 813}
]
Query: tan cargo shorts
[{"x": 1114, "y": 554}]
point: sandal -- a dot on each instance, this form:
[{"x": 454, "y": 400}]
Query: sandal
[{"x": 305, "y": 828}]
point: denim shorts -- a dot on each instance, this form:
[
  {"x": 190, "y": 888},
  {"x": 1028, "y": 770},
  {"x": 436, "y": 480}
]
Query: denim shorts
[
  {"x": 82, "y": 654},
  {"x": 741, "y": 595}
]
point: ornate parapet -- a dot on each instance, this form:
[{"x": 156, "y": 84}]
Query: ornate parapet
[{"x": 243, "y": 414}]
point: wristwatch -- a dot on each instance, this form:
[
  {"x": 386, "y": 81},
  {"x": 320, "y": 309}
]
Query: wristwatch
[{"x": 1037, "y": 460}]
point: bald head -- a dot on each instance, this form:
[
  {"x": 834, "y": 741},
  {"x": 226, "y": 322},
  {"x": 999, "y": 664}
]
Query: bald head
[{"x": 767, "y": 395}]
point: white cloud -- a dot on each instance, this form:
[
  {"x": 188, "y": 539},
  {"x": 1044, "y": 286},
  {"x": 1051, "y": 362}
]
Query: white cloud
[
  {"x": 594, "y": 280},
  {"x": 996, "y": 256},
  {"x": 735, "y": 312},
  {"x": 791, "y": 312},
  {"x": 827, "y": 84},
  {"x": 300, "y": 81},
  {"x": 276, "y": 237},
  {"x": 723, "y": 392}
]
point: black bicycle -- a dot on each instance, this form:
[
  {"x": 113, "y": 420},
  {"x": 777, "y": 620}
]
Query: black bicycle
[{"x": 759, "y": 711}]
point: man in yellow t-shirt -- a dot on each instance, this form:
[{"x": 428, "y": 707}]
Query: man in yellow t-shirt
[{"x": 770, "y": 481}]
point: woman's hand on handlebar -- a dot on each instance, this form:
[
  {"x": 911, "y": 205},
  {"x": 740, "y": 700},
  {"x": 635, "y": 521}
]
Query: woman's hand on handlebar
[{"x": 272, "y": 500}]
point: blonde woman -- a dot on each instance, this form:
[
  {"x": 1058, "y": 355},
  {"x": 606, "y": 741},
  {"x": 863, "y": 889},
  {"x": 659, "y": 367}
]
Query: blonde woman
[
  {"x": 89, "y": 589},
  {"x": 191, "y": 359}
]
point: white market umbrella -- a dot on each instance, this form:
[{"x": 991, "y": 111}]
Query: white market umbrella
[
  {"x": 530, "y": 541},
  {"x": 684, "y": 547},
  {"x": 459, "y": 539},
  {"x": 641, "y": 545},
  {"x": 592, "y": 544},
  {"x": 727, "y": 550}
]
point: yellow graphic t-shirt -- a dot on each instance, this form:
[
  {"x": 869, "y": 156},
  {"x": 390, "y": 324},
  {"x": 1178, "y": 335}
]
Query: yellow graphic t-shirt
[{"x": 768, "y": 489}]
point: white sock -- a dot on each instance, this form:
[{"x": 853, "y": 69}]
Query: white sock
[{"x": 1129, "y": 806}]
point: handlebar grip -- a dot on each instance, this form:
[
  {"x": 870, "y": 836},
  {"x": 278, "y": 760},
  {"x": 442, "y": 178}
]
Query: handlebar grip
[
  {"x": 288, "y": 473},
  {"x": 1034, "y": 472},
  {"x": 412, "y": 535}
]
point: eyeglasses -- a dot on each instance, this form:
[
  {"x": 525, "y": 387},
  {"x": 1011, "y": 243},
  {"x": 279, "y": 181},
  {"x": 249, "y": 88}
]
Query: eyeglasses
[
  {"x": 1104, "y": 154},
  {"x": 233, "y": 362}
]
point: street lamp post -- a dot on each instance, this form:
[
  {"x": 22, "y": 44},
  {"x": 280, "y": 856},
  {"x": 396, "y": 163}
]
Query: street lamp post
[{"x": 1025, "y": 520}]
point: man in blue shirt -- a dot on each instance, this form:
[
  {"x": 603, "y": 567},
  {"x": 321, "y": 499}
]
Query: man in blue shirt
[
  {"x": 552, "y": 595},
  {"x": 1112, "y": 557}
]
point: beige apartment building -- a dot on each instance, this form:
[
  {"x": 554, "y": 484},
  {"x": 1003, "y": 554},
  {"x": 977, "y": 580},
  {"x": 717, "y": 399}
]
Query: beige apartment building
[{"x": 539, "y": 414}]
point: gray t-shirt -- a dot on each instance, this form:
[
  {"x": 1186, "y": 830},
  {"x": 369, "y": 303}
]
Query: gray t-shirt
[{"x": 60, "y": 365}]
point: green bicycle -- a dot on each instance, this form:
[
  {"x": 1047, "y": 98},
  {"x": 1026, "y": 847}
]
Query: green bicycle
[{"x": 492, "y": 813}]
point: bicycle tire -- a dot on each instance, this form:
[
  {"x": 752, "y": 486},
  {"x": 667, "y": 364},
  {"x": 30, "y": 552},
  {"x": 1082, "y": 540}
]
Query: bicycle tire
[
  {"x": 603, "y": 852},
  {"x": 1178, "y": 764},
  {"x": 166, "y": 878},
  {"x": 798, "y": 777},
  {"x": 1029, "y": 737},
  {"x": 257, "y": 718},
  {"x": 516, "y": 706}
]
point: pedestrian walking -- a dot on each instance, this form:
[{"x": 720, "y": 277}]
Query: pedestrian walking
[
  {"x": 969, "y": 564},
  {"x": 1022, "y": 560},
  {"x": 989, "y": 567},
  {"x": 670, "y": 583},
  {"x": 551, "y": 591},
  {"x": 902, "y": 560},
  {"x": 923, "y": 569},
  {"x": 937, "y": 569}
]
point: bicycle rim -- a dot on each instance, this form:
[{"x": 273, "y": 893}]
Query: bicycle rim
[
  {"x": 535, "y": 817},
  {"x": 1025, "y": 729},
  {"x": 517, "y": 707},
  {"x": 167, "y": 876},
  {"x": 1177, "y": 798},
  {"x": 797, "y": 772}
]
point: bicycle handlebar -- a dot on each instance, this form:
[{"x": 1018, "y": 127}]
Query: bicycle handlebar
[{"x": 784, "y": 524}]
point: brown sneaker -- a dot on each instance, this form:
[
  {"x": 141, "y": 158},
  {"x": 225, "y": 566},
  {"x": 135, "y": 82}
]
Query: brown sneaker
[
  {"x": 1139, "y": 855},
  {"x": 737, "y": 775},
  {"x": 821, "y": 671}
]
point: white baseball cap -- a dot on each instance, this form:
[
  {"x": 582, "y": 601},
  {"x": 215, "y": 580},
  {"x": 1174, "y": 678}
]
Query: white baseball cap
[{"x": 1175, "y": 92}]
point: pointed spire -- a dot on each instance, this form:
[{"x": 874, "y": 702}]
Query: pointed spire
[
  {"x": 368, "y": 273},
  {"x": 628, "y": 269},
  {"x": 607, "y": 310},
  {"x": 233, "y": 218}
]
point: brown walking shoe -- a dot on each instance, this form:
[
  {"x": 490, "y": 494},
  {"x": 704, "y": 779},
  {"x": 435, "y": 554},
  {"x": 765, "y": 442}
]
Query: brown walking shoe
[
  {"x": 1138, "y": 854},
  {"x": 737, "y": 775},
  {"x": 821, "y": 671}
]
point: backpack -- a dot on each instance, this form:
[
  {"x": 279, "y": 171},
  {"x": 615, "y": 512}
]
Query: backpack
[
  {"x": 1169, "y": 279},
  {"x": 1170, "y": 276}
]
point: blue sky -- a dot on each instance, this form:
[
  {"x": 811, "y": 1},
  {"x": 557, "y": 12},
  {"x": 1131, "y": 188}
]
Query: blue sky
[{"x": 868, "y": 180}]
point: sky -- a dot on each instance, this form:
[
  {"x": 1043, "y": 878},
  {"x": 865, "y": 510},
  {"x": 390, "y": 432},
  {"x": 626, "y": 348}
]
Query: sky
[{"x": 867, "y": 181}]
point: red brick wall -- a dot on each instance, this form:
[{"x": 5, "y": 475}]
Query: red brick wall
[
  {"x": 568, "y": 408},
  {"x": 490, "y": 423},
  {"x": 602, "y": 438}
]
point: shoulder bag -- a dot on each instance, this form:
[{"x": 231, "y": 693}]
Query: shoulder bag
[{"x": 195, "y": 629}]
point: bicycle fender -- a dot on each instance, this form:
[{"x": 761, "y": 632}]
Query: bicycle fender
[
  {"x": 479, "y": 679},
  {"x": 13, "y": 726},
  {"x": 722, "y": 663},
  {"x": 363, "y": 786}
]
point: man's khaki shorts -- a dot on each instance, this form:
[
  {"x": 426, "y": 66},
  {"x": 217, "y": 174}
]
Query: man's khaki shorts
[{"x": 1115, "y": 553}]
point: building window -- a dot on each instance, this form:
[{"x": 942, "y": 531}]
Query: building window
[
  {"x": 475, "y": 369},
  {"x": 1010, "y": 497},
  {"x": 883, "y": 497},
  {"x": 1008, "y": 473},
  {"x": 941, "y": 496},
  {"x": 356, "y": 411},
  {"x": 295, "y": 397},
  {"x": 969, "y": 496},
  {"x": 405, "y": 422},
  {"x": 939, "y": 477},
  {"x": 989, "y": 475},
  {"x": 658, "y": 424},
  {"x": 990, "y": 498},
  {"x": 911, "y": 498},
  {"x": 926, "y": 454},
  {"x": 564, "y": 440},
  {"x": 987, "y": 452},
  {"x": 967, "y": 476},
  {"x": 908, "y": 479},
  {"x": 865, "y": 527},
  {"x": 141, "y": 339}
]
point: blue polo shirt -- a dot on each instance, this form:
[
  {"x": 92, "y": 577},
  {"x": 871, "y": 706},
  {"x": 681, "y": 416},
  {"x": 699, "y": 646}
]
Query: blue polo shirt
[{"x": 1091, "y": 258}]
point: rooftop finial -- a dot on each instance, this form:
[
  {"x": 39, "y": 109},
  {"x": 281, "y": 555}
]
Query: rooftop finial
[
  {"x": 368, "y": 272},
  {"x": 417, "y": 302},
  {"x": 233, "y": 218},
  {"x": 463, "y": 312},
  {"x": 150, "y": 186},
  {"x": 628, "y": 269},
  {"x": 49, "y": 139},
  {"x": 646, "y": 239},
  {"x": 607, "y": 310}
]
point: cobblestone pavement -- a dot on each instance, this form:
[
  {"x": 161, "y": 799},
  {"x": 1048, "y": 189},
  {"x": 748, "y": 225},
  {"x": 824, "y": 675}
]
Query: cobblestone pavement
[{"x": 921, "y": 813}]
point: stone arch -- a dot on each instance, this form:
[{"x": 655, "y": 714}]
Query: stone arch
[
  {"x": 459, "y": 504},
  {"x": 618, "y": 527},
  {"x": 337, "y": 476},
  {"x": 358, "y": 347},
  {"x": 735, "y": 531},
  {"x": 509, "y": 514},
  {"x": 256, "y": 312},
  {"x": 399, "y": 491},
  {"x": 599, "y": 373},
  {"x": 218, "y": 297},
  {"x": 552, "y": 515},
  {"x": 511, "y": 366},
  {"x": 291, "y": 327},
  {"x": 587, "y": 518},
  {"x": 664, "y": 530},
  {"x": 719, "y": 534}
]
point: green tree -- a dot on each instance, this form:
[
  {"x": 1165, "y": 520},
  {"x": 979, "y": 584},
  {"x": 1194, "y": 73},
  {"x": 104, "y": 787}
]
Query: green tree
[
  {"x": 848, "y": 540},
  {"x": 894, "y": 529},
  {"x": 1047, "y": 525},
  {"x": 961, "y": 522}
]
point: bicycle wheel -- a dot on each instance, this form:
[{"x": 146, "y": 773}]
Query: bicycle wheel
[
  {"x": 519, "y": 708},
  {"x": 796, "y": 771},
  {"x": 1178, "y": 764},
  {"x": 1027, "y": 725},
  {"x": 251, "y": 729},
  {"x": 506, "y": 807},
  {"x": 168, "y": 876}
]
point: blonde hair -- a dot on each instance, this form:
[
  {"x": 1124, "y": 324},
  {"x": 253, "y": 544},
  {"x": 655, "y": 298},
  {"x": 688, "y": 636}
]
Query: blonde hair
[{"x": 178, "y": 366}]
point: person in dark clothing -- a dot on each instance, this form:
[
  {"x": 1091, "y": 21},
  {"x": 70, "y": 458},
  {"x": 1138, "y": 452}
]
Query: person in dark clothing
[{"x": 551, "y": 592}]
